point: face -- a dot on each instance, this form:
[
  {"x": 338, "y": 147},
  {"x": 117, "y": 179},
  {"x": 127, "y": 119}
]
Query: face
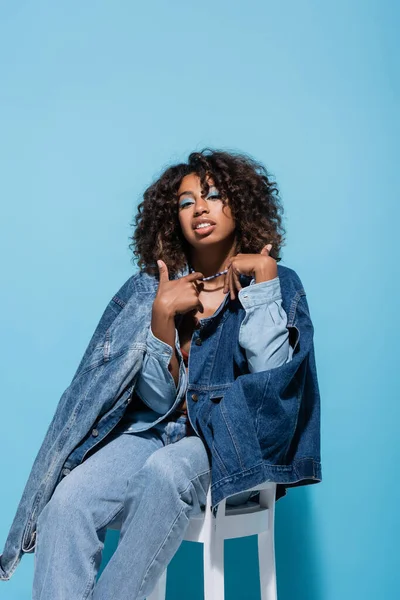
[{"x": 191, "y": 206}]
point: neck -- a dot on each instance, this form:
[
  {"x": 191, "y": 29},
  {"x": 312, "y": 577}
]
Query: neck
[{"x": 209, "y": 262}]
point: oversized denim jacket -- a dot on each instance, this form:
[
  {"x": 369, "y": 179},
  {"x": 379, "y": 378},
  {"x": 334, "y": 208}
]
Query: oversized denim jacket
[{"x": 257, "y": 427}]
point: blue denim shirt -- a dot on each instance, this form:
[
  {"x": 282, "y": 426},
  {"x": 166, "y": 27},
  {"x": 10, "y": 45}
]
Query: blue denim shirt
[{"x": 264, "y": 312}]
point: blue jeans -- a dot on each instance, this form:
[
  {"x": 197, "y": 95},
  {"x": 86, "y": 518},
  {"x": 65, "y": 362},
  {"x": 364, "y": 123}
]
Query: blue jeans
[{"x": 151, "y": 482}]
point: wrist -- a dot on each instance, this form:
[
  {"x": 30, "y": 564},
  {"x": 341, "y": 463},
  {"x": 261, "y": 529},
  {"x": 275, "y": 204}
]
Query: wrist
[
  {"x": 263, "y": 274},
  {"x": 161, "y": 309}
]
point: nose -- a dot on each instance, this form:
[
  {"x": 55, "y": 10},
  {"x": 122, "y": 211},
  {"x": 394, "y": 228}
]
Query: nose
[{"x": 200, "y": 206}]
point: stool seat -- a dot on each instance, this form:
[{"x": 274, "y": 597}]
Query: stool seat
[{"x": 250, "y": 518}]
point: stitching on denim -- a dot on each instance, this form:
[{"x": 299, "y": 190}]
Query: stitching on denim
[
  {"x": 119, "y": 301},
  {"x": 208, "y": 471},
  {"x": 182, "y": 511},
  {"x": 215, "y": 451},
  {"x": 231, "y": 435},
  {"x": 262, "y": 402},
  {"x": 136, "y": 346},
  {"x": 107, "y": 344},
  {"x": 293, "y": 305},
  {"x": 239, "y": 474},
  {"x": 218, "y": 331},
  {"x": 196, "y": 386},
  {"x": 91, "y": 581},
  {"x": 28, "y": 527}
]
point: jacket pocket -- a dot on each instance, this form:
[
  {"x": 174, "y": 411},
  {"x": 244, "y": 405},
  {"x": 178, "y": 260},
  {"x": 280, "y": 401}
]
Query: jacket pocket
[
  {"x": 233, "y": 436},
  {"x": 277, "y": 419},
  {"x": 100, "y": 354}
]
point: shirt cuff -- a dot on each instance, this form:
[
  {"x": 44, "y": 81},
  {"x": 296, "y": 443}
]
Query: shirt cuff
[
  {"x": 160, "y": 348},
  {"x": 260, "y": 293}
]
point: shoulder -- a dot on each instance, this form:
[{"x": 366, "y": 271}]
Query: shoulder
[
  {"x": 289, "y": 279},
  {"x": 140, "y": 282}
]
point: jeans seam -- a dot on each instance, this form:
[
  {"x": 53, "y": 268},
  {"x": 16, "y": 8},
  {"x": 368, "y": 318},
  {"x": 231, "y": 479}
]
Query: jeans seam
[
  {"x": 171, "y": 528},
  {"x": 92, "y": 578},
  {"x": 160, "y": 549}
]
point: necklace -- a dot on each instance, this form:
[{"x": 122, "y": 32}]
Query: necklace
[{"x": 211, "y": 276}]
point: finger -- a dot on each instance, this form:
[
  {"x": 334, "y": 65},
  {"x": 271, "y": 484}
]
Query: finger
[
  {"x": 163, "y": 271},
  {"x": 266, "y": 250},
  {"x": 198, "y": 287},
  {"x": 236, "y": 280},
  {"x": 226, "y": 284},
  {"x": 231, "y": 284},
  {"x": 226, "y": 276},
  {"x": 193, "y": 276}
]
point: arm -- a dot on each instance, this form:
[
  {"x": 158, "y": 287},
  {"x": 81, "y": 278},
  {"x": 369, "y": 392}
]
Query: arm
[
  {"x": 163, "y": 328},
  {"x": 155, "y": 385}
]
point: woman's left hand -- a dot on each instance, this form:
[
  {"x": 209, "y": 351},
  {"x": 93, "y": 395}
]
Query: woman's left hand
[{"x": 261, "y": 264}]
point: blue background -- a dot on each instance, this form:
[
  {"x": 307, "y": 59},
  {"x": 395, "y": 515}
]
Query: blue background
[{"x": 96, "y": 99}]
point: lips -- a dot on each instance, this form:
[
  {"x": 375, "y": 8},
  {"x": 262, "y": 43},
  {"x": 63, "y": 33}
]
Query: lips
[
  {"x": 200, "y": 221},
  {"x": 205, "y": 230}
]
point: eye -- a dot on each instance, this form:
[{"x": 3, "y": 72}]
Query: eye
[
  {"x": 188, "y": 201},
  {"x": 185, "y": 203}
]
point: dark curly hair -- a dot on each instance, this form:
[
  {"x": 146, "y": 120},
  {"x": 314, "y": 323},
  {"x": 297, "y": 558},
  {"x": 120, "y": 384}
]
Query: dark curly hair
[{"x": 242, "y": 181}]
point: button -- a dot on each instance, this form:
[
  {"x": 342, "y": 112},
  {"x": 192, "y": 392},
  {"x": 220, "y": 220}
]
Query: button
[
  {"x": 195, "y": 397},
  {"x": 198, "y": 342},
  {"x": 95, "y": 432},
  {"x": 245, "y": 295},
  {"x": 66, "y": 471}
]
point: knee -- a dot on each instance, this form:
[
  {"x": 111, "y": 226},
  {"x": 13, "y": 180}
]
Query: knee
[
  {"x": 161, "y": 474},
  {"x": 177, "y": 478}
]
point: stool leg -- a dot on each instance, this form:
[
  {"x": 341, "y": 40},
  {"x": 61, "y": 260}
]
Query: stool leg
[
  {"x": 266, "y": 549},
  {"x": 267, "y": 566},
  {"x": 160, "y": 590},
  {"x": 213, "y": 556}
]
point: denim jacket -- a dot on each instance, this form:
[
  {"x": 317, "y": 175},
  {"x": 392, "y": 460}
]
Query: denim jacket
[
  {"x": 257, "y": 427},
  {"x": 264, "y": 312}
]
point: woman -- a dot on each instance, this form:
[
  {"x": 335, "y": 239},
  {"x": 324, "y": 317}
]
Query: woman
[{"x": 219, "y": 213}]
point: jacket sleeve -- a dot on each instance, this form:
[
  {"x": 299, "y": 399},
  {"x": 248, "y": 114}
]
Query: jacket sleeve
[
  {"x": 264, "y": 337},
  {"x": 263, "y": 332},
  {"x": 285, "y": 398},
  {"x": 279, "y": 407},
  {"x": 155, "y": 384}
]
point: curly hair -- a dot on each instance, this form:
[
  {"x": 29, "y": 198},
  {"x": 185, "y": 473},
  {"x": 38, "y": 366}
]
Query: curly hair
[{"x": 242, "y": 181}]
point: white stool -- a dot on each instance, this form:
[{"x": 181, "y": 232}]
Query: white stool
[{"x": 232, "y": 522}]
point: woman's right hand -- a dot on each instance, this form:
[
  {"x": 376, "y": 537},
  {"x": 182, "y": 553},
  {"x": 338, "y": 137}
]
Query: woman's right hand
[{"x": 178, "y": 296}]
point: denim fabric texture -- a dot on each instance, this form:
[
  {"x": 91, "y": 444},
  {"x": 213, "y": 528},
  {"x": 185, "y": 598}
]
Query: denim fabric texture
[
  {"x": 148, "y": 485},
  {"x": 156, "y": 386},
  {"x": 256, "y": 427}
]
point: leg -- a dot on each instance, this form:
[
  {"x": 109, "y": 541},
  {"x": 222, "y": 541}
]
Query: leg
[
  {"x": 161, "y": 497},
  {"x": 72, "y": 526}
]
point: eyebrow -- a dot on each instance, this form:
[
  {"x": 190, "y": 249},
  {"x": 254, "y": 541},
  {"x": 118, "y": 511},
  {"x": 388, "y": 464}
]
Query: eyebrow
[{"x": 188, "y": 192}]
